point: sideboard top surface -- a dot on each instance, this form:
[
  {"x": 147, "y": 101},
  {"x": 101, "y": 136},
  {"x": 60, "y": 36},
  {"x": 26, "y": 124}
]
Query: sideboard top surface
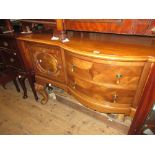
[{"x": 131, "y": 47}]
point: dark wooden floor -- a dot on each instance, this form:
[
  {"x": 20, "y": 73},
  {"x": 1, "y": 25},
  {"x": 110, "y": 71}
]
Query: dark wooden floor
[{"x": 19, "y": 116}]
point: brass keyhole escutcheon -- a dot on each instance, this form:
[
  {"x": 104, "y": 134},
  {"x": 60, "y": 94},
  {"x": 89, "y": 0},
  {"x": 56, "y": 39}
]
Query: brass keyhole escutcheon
[
  {"x": 115, "y": 97},
  {"x": 73, "y": 68}
]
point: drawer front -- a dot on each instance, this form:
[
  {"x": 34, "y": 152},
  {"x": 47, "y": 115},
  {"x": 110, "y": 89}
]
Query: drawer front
[
  {"x": 8, "y": 43},
  {"x": 47, "y": 62},
  {"x": 126, "y": 74},
  {"x": 11, "y": 59},
  {"x": 100, "y": 93}
]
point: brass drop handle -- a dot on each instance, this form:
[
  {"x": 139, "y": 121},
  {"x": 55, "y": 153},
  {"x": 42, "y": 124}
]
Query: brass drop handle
[
  {"x": 49, "y": 72},
  {"x": 115, "y": 97},
  {"x": 118, "y": 77},
  {"x": 73, "y": 68},
  {"x": 74, "y": 85},
  {"x": 5, "y": 43}
]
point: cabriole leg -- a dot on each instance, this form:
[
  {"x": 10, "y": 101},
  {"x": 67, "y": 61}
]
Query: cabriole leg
[{"x": 41, "y": 90}]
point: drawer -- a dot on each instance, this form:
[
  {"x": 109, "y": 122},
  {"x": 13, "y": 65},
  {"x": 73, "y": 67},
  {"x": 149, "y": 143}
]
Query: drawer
[
  {"x": 47, "y": 62},
  {"x": 11, "y": 59},
  {"x": 100, "y": 93},
  {"x": 8, "y": 43},
  {"x": 126, "y": 74}
]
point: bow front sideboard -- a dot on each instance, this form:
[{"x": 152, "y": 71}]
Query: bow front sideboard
[{"x": 107, "y": 75}]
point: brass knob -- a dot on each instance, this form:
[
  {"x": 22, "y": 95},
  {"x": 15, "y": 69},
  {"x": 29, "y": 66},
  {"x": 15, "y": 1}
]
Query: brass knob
[
  {"x": 40, "y": 60},
  {"x": 50, "y": 84},
  {"x": 5, "y": 43},
  {"x": 115, "y": 97},
  {"x": 118, "y": 77},
  {"x": 59, "y": 66},
  {"x": 14, "y": 53},
  {"x": 73, "y": 68},
  {"x": 12, "y": 59}
]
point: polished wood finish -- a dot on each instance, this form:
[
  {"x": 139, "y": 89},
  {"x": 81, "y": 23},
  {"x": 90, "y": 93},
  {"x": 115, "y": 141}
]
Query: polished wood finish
[
  {"x": 47, "y": 61},
  {"x": 105, "y": 75},
  {"x": 119, "y": 26}
]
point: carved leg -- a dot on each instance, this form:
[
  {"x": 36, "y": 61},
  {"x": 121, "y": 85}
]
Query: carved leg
[
  {"x": 31, "y": 82},
  {"x": 16, "y": 85},
  {"x": 22, "y": 83},
  {"x": 41, "y": 90},
  {"x": 120, "y": 117}
]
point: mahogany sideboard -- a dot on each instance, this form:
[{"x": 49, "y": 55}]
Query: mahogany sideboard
[{"x": 107, "y": 75}]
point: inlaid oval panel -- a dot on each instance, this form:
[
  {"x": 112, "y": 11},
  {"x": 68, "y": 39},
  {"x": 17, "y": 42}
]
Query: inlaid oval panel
[{"x": 46, "y": 63}]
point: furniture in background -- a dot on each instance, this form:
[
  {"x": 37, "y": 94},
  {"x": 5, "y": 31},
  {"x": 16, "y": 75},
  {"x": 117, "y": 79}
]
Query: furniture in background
[
  {"x": 11, "y": 59},
  {"x": 144, "y": 120}
]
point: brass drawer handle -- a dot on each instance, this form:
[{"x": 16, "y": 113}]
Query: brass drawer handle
[
  {"x": 48, "y": 72},
  {"x": 73, "y": 68},
  {"x": 73, "y": 85},
  {"x": 115, "y": 97},
  {"x": 118, "y": 77},
  {"x": 5, "y": 43}
]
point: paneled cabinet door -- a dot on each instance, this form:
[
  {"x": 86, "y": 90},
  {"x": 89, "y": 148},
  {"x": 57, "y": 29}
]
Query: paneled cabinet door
[{"x": 47, "y": 62}]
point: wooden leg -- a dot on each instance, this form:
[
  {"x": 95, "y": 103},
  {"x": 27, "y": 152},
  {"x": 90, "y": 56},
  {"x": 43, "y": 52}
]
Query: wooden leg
[
  {"x": 16, "y": 85},
  {"x": 41, "y": 90},
  {"x": 31, "y": 82},
  {"x": 120, "y": 117},
  {"x": 22, "y": 83}
]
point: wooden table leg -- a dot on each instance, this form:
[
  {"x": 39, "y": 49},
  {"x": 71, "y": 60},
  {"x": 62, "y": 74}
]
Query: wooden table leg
[
  {"x": 22, "y": 83},
  {"x": 41, "y": 90}
]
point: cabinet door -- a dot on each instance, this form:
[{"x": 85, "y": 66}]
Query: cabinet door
[{"x": 47, "y": 62}]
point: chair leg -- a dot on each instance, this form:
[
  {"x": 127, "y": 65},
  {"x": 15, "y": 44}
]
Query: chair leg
[
  {"x": 31, "y": 82},
  {"x": 22, "y": 83},
  {"x": 16, "y": 85}
]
